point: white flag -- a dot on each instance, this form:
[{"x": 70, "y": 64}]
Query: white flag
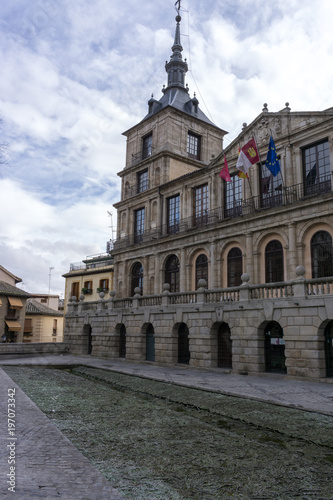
[{"x": 243, "y": 163}]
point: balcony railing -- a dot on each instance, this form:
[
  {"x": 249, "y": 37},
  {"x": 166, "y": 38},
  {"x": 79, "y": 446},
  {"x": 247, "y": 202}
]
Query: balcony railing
[
  {"x": 240, "y": 208},
  {"x": 286, "y": 291},
  {"x": 142, "y": 155}
]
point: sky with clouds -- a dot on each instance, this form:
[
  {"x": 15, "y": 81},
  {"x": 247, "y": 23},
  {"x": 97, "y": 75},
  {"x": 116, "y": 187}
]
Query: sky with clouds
[{"x": 75, "y": 75}]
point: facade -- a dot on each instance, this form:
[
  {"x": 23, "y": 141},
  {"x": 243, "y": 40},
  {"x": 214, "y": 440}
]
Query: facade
[
  {"x": 234, "y": 275},
  {"x": 12, "y": 307},
  {"x": 43, "y": 323},
  {"x": 89, "y": 278}
]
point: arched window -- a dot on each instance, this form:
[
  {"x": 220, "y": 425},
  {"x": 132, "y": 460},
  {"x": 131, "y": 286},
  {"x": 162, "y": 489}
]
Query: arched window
[
  {"x": 274, "y": 262},
  {"x": 235, "y": 267},
  {"x": 201, "y": 269},
  {"x": 172, "y": 273},
  {"x": 321, "y": 255},
  {"x": 137, "y": 277}
]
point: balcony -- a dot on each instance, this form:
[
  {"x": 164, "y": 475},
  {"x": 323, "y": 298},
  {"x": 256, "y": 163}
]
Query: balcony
[
  {"x": 257, "y": 204},
  {"x": 142, "y": 155}
]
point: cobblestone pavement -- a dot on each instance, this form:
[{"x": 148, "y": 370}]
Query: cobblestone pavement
[
  {"x": 48, "y": 466},
  {"x": 37, "y": 460}
]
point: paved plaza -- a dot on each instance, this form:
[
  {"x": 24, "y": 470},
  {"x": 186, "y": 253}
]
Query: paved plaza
[{"x": 48, "y": 466}]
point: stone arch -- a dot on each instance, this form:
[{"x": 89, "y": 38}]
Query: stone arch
[
  {"x": 120, "y": 340},
  {"x": 328, "y": 348},
  {"x": 88, "y": 339},
  {"x": 148, "y": 332},
  {"x": 221, "y": 345},
  {"x": 274, "y": 348}
]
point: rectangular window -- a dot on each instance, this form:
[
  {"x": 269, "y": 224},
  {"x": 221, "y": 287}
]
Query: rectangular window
[
  {"x": 233, "y": 197},
  {"x": 75, "y": 292},
  {"x": 316, "y": 167},
  {"x": 87, "y": 287},
  {"x": 103, "y": 285},
  {"x": 201, "y": 205},
  {"x": 270, "y": 188},
  {"x": 139, "y": 225},
  {"x": 173, "y": 208},
  {"x": 193, "y": 146},
  {"x": 142, "y": 181},
  {"x": 147, "y": 146}
]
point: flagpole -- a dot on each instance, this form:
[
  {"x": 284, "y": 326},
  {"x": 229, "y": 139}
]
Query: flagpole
[
  {"x": 246, "y": 175},
  {"x": 282, "y": 179}
]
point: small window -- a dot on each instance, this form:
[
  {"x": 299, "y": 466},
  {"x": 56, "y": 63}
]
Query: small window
[
  {"x": 274, "y": 262},
  {"x": 193, "y": 146},
  {"x": 147, "y": 146},
  {"x": 143, "y": 181},
  {"x": 321, "y": 255},
  {"x": 316, "y": 165},
  {"x": 233, "y": 197},
  {"x": 103, "y": 285},
  {"x": 201, "y": 206},
  {"x": 87, "y": 287},
  {"x": 75, "y": 292},
  {"x": 201, "y": 269},
  {"x": 139, "y": 225},
  {"x": 173, "y": 209},
  {"x": 43, "y": 301}
]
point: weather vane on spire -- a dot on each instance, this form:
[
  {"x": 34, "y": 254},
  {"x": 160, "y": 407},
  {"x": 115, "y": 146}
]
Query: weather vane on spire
[{"x": 177, "y": 5}]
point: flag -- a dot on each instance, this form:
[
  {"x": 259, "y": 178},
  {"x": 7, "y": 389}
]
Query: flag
[
  {"x": 248, "y": 156},
  {"x": 225, "y": 171},
  {"x": 242, "y": 175},
  {"x": 272, "y": 162},
  {"x": 265, "y": 181}
]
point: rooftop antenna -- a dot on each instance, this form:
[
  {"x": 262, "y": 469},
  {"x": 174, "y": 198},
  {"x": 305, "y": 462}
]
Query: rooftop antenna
[
  {"x": 50, "y": 271},
  {"x": 111, "y": 224}
]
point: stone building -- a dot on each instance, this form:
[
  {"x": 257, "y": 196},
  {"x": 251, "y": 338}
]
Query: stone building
[
  {"x": 87, "y": 279},
  {"x": 234, "y": 275},
  {"x": 12, "y": 307},
  {"x": 42, "y": 322}
]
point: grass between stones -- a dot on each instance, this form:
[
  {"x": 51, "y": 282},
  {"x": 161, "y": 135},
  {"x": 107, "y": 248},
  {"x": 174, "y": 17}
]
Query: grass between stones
[{"x": 155, "y": 440}]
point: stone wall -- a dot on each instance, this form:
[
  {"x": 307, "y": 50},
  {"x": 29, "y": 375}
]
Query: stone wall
[
  {"x": 18, "y": 350},
  {"x": 302, "y": 312}
]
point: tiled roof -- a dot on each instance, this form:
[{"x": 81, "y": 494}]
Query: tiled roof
[
  {"x": 13, "y": 291},
  {"x": 35, "y": 307}
]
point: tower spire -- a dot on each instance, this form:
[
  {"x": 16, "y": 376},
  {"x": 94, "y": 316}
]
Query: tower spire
[{"x": 176, "y": 67}]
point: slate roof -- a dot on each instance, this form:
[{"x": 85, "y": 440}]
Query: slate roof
[
  {"x": 13, "y": 291},
  {"x": 35, "y": 307}
]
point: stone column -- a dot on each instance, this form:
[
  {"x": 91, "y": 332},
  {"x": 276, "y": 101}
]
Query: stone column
[
  {"x": 158, "y": 273},
  {"x": 292, "y": 255},
  {"x": 212, "y": 276},
  {"x": 248, "y": 261},
  {"x": 182, "y": 270}
]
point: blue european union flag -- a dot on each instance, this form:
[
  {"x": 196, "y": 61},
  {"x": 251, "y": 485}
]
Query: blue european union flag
[{"x": 272, "y": 162}]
